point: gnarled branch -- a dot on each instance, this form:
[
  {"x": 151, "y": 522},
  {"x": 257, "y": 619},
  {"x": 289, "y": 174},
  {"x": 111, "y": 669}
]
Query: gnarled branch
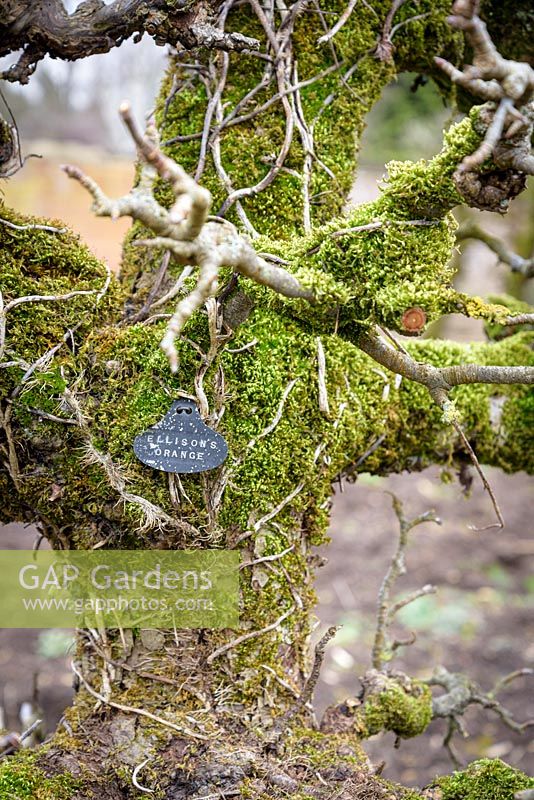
[
  {"x": 461, "y": 692},
  {"x": 510, "y": 84},
  {"x": 46, "y": 28},
  {"x": 185, "y": 231},
  {"x": 192, "y": 238}
]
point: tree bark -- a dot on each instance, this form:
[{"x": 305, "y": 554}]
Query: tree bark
[
  {"x": 45, "y": 28},
  {"x": 216, "y": 713}
]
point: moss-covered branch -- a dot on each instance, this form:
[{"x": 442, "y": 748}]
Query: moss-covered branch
[
  {"x": 377, "y": 265},
  {"x": 80, "y": 380}
]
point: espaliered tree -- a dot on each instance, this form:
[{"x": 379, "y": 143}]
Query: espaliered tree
[{"x": 276, "y": 311}]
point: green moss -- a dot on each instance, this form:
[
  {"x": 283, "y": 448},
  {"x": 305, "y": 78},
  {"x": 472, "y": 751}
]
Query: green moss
[
  {"x": 21, "y": 778},
  {"x": 425, "y": 187},
  {"x": 374, "y": 276},
  {"x": 402, "y": 707},
  {"x": 393, "y": 254},
  {"x": 298, "y": 460},
  {"x": 338, "y": 760},
  {"x": 329, "y": 103},
  {"x": 38, "y": 262},
  {"x": 243, "y": 147},
  {"x": 123, "y": 382},
  {"x": 323, "y": 749},
  {"x": 487, "y": 779},
  {"x": 279, "y": 483},
  {"x": 385, "y": 271}
]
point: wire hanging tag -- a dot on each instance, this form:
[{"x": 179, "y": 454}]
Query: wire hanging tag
[{"x": 181, "y": 442}]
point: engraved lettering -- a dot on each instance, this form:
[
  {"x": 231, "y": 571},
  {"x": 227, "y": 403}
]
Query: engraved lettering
[{"x": 181, "y": 442}]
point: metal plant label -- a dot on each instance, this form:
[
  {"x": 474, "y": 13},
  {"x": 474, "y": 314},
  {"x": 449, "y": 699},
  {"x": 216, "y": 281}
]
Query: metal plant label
[{"x": 181, "y": 442}]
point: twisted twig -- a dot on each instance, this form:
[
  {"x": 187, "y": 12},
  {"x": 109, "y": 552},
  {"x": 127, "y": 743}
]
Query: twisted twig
[
  {"x": 185, "y": 231},
  {"x": 461, "y": 692},
  {"x": 386, "y": 611},
  {"x": 510, "y": 84},
  {"x": 40, "y": 29}
]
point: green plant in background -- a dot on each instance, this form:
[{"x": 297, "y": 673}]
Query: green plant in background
[{"x": 55, "y": 643}]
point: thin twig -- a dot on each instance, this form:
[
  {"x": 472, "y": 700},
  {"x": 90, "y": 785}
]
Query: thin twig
[
  {"x": 140, "y": 712},
  {"x": 396, "y": 607},
  {"x": 36, "y": 298},
  {"x": 385, "y": 610},
  {"x": 277, "y": 417},
  {"x": 278, "y": 508},
  {"x": 384, "y": 46},
  {"x": 486, "y": 483},
  {"x": 321, "y": 377},
  {"x": 315, "y": 673},
  {"x": 247, "y": 346},
  {"x": 339, "y": 24},
  {"x": 144, "y": 311},
  {"x": 512, "y": 676},
  {"x": 247, "y": 636},
  {"x": 43, "y": 361},
  {"x": 264, "y": 559},
  {"x": 136, "y": 772},
  {"x": 33, "y": 227},
  {"x": 309, "y": 686},
  {"x": 52, "y": 417}
]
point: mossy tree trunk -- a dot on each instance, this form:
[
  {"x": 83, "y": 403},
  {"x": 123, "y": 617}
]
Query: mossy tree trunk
[{"x": 205, "y": 714}]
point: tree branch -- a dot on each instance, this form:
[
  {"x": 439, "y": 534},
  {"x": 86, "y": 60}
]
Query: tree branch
[
  {"x": 440, "y": 379},
  {"x": 46, "y": 28},
  {"x": 386, "y": 611},
  {"x": 510, "y": 84},
  {"x": 185, "y": 231},
  {"x": 192, "y": 238},
  {"x": 461, "y": 692},
  {"x": 470, "y": 230}
]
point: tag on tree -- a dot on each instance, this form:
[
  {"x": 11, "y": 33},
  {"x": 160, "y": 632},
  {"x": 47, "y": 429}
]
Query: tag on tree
[{"x": 181, "y": 442}]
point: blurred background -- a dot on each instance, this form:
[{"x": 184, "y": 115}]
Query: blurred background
[{"x": 481, "y": 620}]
